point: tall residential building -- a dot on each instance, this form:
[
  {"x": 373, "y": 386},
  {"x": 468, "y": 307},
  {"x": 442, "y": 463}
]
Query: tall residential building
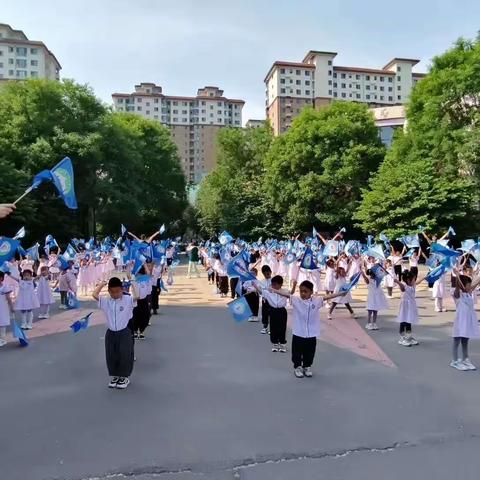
[
  {"x": 253, "y": 123},
  {"x": 193, "y": 121},
  {"x": 316, "y": 81},
  {"x": 21, "y": 58}
]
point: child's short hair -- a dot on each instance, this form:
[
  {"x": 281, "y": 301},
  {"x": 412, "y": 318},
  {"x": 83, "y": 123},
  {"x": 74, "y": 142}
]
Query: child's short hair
[
  {"x": 2, "y": 275},
  {"x": 266, "y": 269},
  {"x": 26, "y": 271},
  {"x": 370, "y": 273},
  {"x": 114, "y": 282},
  {"x": 307, "y": 284},
  {"x": 277, "y": 280},
  {"x": 465, "y": 279},
  {"x": 407, "y": 275}
]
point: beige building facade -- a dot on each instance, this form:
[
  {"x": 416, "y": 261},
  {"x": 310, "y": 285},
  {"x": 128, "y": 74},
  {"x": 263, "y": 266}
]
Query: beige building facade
[
  {"x": 21, "y": 58},
  {"x": 316, "y": 81},
  {"x": 194, "y": 122}
]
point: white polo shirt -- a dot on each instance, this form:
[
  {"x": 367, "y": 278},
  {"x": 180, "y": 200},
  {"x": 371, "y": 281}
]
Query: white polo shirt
[
  {"x": 274, "y": 299},
  {"x": 306, "y": 316},
  {"x": 117, "y": 312}
]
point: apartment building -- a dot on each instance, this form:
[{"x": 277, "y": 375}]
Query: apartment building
[
  {"x": 193, "y": 121},
  {"x": 21, "y": 58},
  {"x": 316, "y": 81},
  {"x": 253, "y": 123}
]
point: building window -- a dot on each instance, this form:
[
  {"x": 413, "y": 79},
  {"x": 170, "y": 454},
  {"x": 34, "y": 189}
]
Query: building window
[
  {"x": 342, "y": 75},
  {"x": 334, "y": 84},
  {"x": 282, "y": 70},
  {"x": 335, "y": 94},
  {"x": 34, "y": 63},
  {"x": 344, "y": 95},
  {"x": 298, "y": 72},
  {"x": 184, "y": 112},
  {"x": 155, "y": 109},
  {"x": 329, "y": 92},
  {"x": 148, "y": 112},
  {"x": 367, "y": 87},
  {"x": 34, "y": 51},
  {"x": 329, "y": 82},
  {"x": 307, "y": 73},
  {"x": 399, "y": 68},
  {"x": 399, "y": 87},
  {"x": 10, "y": 61},
  {"x": 390, "y": 99},
  {"x": 21, "y": 63},
  {"x": 358, "y": 95},
  {"x": 330, "y": 73},
  {"x": 390, "y": 79},
  {"x": 390, "y": 89},
  {"x": 367, "y": 97},
  {"x": 381, "y": 97},
  {"x": 382, "y": 79},
  {"x": 334, "y": 75},
  {"x": 21, "y": 74},
  {"x": 375, "y": 77},
  {"x": 307, "y": 92},
  {"x": 299, "y": 92},
  {"x": 34, "y": 74},
  {"x": 399, "y": 97},
  {"x": 329, "y": 62},
  {"x": 344, "y": 85},
  {"x": 358, "y": 86},
  {"x": 298, "y": 82},
  {"x": 22, "y": 51},
  {"x": 367, "y": 77},
  {"x": 382, "y": 88},
  {"x": 139, "y": 109},
  {"x": 357, "y": 77},
  {"x": 307, "y": 82},
  {"x": 399, "y": 78},
  {"x": 155, "y": 100},
  {"x": 282, "y": 90}
]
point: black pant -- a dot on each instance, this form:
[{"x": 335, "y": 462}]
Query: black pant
[
  {"x": 154, "y": 297},
  {"x": 253, "y": 301},
  {"x": 405, "y": 327},
  {"x": 119, "y": 352},
  {"x": 141, "y": 315},
  {"x": 211, "y": 277},
  {"x": 303, "y": 351},
  {"x": 265, "y": 313},
  {"x": 64, "y": 298},
  {"x": 223, "y": 285},
  {"x": 278, "y": 325},
  {"x": 398, "y": 272},
  {"x": 233, "y": 286}
]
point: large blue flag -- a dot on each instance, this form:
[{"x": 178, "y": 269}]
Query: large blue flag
[
  {"x": 441, "y": 250},
  {"x": 308, "y": 262},
  {"x": 81, "y": 324},
  {"x": 237, "y": 267},
  {"x": 8, "y": 247},
  {"x": 411, "y": 241},
  {"x": 240, "y": 309},
  {"x": 20, "y": 334},
  {"x": 331, "y": 248},
  {"x": 353, "y": 281},
  {"x": 225, "y": 238},
  {"x": 61, "y": 175},
  {"x": 435, "y": 274},
  {"x": 33, "y": 252},
  {"x": 376, "y": 251},
  {"x": 379, "y": 272}
]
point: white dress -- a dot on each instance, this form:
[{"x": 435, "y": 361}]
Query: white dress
[
  {"x": 465, "y": 323},
  {"x": 376, "y": 299},
  {"x": 388, "y": 280},
  {"x": 438, "y": 290},
  {"x": 342, "y": 300},
  {"x": 27, "y": 298},
  {"x": 4, "y": 307},
  {"x": 330, "y": 279},
  {"x": 44, "y": 292},
  {"x": 408, "y": 311}
]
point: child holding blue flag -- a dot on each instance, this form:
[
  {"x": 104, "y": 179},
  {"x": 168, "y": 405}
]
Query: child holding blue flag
[
  {"x": 6, "y": 308},
  {"x": 376, "y": 299},
  {"x": 27, "y": 299},
  {"x": 346, "y": 299},
  {"x": 141, "y": 313}
]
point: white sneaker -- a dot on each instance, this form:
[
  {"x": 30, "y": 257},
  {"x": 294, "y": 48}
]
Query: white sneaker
[
  {"x": 274, "y": 347},
  {"x": 374, "y": 326},
  {"x": 123, "y": 383},
  {"x": 469, "y": 364},
  {"x": 404, "y": 342},
  {"x": 282, "y": 348},
  {"x": 413, "y": 341},
  {"x": 299, "y": 372},
  {"x": 308, "y": 372},
  {"x": 24, "y": 326},
  {"x": 2, "y": 342},
  {"x": 40, "y": 316},
  {"x": 368, "y": 326},
  {"x": 264, "y": 330},
  {"x": 458, "y": 364},
  {"x": 62, "y": 307},
  {"x": 113, "y": 382},
  {"x": 329, "y": 316}
]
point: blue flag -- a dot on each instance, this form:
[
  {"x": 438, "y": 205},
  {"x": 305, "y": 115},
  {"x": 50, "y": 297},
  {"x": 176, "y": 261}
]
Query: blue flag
[
  {"x": 139, "y": 261},
  {"x": 61, "y": 175},
  {"x": 33, "y": 252},
  {"x": 314, "y": 232},
  {"x": 451, "y": 231},
  {"x": 238, "y": 288},
  {"x": 289, "y": 258},
  {"x": 331, "y": 248},
  {"x": 308, "y": 262},
  {"x": 162, "y": 286},
  {"x": 70, "y": 253},
  {"x": 5, "y": 268},
  {"x": 81, "y": 324},
  {"x": 123, "y": 230},
  {"x": 63, "y": 263},
  {"x": 225, "y": 238},
  {"x": 162, "y": 229},
  {"x": 240, "y": 309},
  {"x": 376, "y": 251},
  {"x": 379, "y": 272},
  {"x": 8, "y": 247},
  {"x": 411, "y": 241},
  {"x": 353, "y": 281},
  {"x": 435, "y": 274},
  {"x": 441, "y": 250},
  {"x": 20, "y": 334},
  {"x": 237, "y": 267},
  {"x": 72, "y": 301}
]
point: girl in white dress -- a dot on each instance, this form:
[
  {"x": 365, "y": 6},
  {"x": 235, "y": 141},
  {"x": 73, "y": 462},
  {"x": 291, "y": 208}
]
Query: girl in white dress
[
  {"x": 330, "y": 275},
  {"x": 27, "y": 299},
  {"x": 465, "y": 325},
  {"x": 6, "y": 307},
  {"x": 408, "y": 310},
  {"x": 44, "y": 293},
  {"x": 341, "y": 280},
  {"x": 438, "y": 293},
  {"x": 389, "y": 280},
  {"x": 376, "y": 299}
]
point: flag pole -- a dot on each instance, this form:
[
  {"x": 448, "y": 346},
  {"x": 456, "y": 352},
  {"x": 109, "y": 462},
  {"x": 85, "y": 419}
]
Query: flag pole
[{"x": 27, "y": 191}]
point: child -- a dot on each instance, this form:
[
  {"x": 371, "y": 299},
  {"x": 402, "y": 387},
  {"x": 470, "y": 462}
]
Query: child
[
  {"x": 266, "y": 283},
  {"x": 222, "y": 277},
  {"x": 118, "y": 310},
  {"x": 376, "y": 299},
  {"x": 408, "y": 311},
  {"x": 306, "y": 325},
  {"x": 465, "y": 325},
  {"x": 438, "y": 293},
  {"x": 6, "y": 307},
  {"x": 66, "y": 283},
  {"x": 389, "y": 280},
  {"x": 141, "y": 312},
  {"x": 27, "y": 299},
  {"x": 44, "y": 293},
  {"x": 277, "y": 313},
  {"x": 252, "y": 297},
  {"x": 210, "y": 271},
  {"x": 341, "y": 280},
  {"x": 330, "y": 279}
]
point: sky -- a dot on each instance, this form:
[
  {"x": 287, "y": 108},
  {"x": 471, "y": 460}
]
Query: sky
[{"x": 183, "y": 45}]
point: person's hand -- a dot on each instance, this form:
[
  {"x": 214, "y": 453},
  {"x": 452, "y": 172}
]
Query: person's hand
[{"x": 6, "y": 209}]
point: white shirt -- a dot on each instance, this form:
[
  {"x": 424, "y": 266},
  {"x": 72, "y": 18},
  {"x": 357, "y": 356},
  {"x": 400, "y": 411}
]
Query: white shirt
[
  {"x": 274, "y": 299},
  {"x": 306, "y": 316},
  {"x": 117, "y": 312},
  {"x": 219, "y": 267},
  {"x": 144, "y": 288}
]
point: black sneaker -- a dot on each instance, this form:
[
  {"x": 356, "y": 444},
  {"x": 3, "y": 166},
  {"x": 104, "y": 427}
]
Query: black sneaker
[
  {"x": 135, "y": 335},
  {"x": 155, "y": 312},
  {"x": 123, "y": 383},
  {"x": 113, "y": 382},
  {"x": 141, "y": 336}
]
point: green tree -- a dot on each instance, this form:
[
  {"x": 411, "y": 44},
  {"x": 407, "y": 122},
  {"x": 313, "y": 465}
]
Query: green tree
[
  {"x": 431, "y": 175},
  {"x": 315, "y": 171}
]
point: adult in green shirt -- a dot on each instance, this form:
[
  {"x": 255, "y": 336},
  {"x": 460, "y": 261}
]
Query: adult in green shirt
[{"x": 193, "y": 258}]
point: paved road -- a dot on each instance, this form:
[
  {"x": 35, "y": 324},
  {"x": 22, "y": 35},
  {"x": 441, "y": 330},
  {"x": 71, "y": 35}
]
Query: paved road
[{"x": 208, "y": 400}]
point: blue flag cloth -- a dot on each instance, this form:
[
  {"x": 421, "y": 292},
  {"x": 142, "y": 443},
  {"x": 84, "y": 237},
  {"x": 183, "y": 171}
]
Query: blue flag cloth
[
  {"x": 376, "y": 251},
  {"x": 62, "y": 177},
  {"x": 308, "y": 262},
  {"x": 139, "y": 261},
  {"x": 331, "y": 249},
  {"x": 410, "y": 253},
  {"x": 343, "y": 230},
  {"x": 467, "y": 245},
  {"x": 435, "y": 274},
  {"x": 81, "y": 324},
  {"x": 225, "y": 238},
  {"x": 72, "y": 301},
  {"x": 237, "y": 267},
  {"x": 162, "y": 229},
  {"x": 8, "y": 248},
  {"x": 123, "y": 230},
  {"x": 431, "y": 261},
  {"x": 5, "y": 268},
  {"x": 70, "y": 253},
  {"x": 451, "y": 231},
  {"x": 162, "y": 286},
  {"x": 353, "y": 281},
  {"x": 33, "y": 252},
  {"x": 289, "y": 258},
  {"x": 20, "y": 334},
  {"x": 63, "y": 263},
  {"x": 411, "y": 241},
  {"x": 238, "y": 288},
  {"x": 314, "y": 232},
  {"x": 20, "y": 234},
  {"x": 379, "y": 272},
  {"x": 240, "y": 309},
  {"x": 142, "y": 278},
  {"x": 21, "y": 251},
  {"x": 384, "y": 239},
  {"x": 352, "y": 248},
  {"x": 441, "y": 250}
]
